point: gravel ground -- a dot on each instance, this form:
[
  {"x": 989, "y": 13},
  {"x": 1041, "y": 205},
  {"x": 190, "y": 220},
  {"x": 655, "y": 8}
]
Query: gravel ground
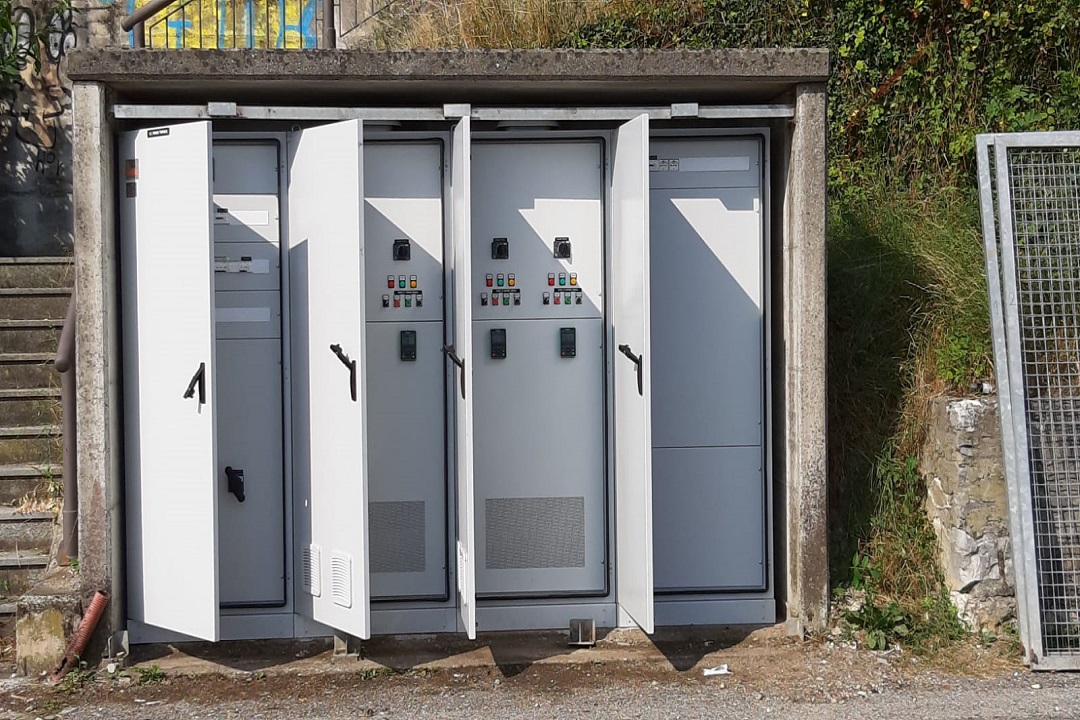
[
  {"x": 479, "y": 696},
  {"x": 532, "y": 676}
]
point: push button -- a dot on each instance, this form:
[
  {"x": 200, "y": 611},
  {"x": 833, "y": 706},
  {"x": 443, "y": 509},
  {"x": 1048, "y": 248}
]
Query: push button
[
  {"x": 412, "y": 281},
  {"x": 401, "y": 281},
  {"x": 408, "y": 301},
  {"x": 506, "y": 299},
  {"x": 558, "y": 298},
  {"x": 573, "y": 278},
  {"x": 389, "y": 281},
  {"x": 562, "y": 278},
  {"x": 488, "y": 279},
  {"x": 551, "y": 278},
  {"x": 397, "y": 301},
  {"x": 483, "y": 299},
  {"x": 386, "y": 301},
  {"x": 517, "y": 297},
  {"x": 547, "y": 298},
  {"x": 577, "y": 298},
  {"x": 420, "y": 300},
  {"x": 510, "y": 280}
]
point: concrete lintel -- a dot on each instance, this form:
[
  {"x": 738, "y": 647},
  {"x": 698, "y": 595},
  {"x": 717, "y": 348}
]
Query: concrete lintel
[
  {"x": 458, "y": 76},
  {"x": 805, "y": 376},
  {"x": 97, "y": 414}
]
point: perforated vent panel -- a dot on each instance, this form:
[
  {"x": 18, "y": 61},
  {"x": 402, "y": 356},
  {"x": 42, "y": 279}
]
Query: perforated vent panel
[
  {"x": 341, "y": 579},
  {"x": 398, "y": 536},
  {"x": 535, "y": 532},
  {"x": 312, "y": 561}
]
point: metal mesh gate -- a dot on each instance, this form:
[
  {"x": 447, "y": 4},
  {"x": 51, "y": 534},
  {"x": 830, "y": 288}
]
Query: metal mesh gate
[{"x": 1030, "y": 193}]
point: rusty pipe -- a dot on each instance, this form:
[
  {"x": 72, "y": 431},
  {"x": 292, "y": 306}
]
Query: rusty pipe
[
  {"x": 81, "y": 637},
  {"x": 65, "y": 364},
  {"x": 329, "y": 26}
]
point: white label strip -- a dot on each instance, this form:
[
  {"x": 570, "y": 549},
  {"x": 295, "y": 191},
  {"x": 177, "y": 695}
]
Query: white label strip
[
  {"x": 738, "y": 163},
  {"x": 260, "y": 266},
  {"x": 242, "y": 315}
]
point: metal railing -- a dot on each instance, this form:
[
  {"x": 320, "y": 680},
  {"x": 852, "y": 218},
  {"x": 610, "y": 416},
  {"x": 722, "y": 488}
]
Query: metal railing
[{"x": 233, "y": 24}]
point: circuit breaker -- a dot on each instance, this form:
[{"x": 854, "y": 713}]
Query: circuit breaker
[
  {"x": 403, "y": 239},
  {"x": 247, "y": 300},
  {"x": 708, "y": 342},
  {"x": 538, "y": 331}
]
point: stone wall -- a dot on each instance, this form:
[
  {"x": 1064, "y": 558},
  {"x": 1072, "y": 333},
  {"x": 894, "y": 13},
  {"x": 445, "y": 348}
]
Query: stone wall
[
  {"x": 967, "y": 503},
  {"x": 35, "y": 131}
]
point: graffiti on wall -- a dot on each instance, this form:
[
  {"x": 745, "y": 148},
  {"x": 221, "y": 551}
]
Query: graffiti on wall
[
  {"x": 34, "y": 111},
  {"x": 231, "y": 24}
]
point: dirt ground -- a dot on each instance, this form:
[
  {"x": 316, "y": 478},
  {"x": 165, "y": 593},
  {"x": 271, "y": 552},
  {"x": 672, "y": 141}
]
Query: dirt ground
[{"x": 761, "y": 662}]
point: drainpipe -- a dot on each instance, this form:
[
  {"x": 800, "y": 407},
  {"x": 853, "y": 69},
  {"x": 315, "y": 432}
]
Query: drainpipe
[
  {"x": 65, "y": 365},
  {"x": 329, "y": 28}
]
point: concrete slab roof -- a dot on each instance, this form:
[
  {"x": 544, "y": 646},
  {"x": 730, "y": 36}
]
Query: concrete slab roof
[{"x": 498, "y": 77}]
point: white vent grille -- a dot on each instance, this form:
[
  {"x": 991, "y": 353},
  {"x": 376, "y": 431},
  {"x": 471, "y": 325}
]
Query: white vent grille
[
  {"x": 312, "y": 562},
  {"x": 341, "y": 579},
  {"x": 534, "y": 533},
  {"x": 398, "y": 536}
]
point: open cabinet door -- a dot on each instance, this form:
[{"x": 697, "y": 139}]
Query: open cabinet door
[
  {"x": 633, "y": 419},
  {"x": 326, "y": 251},
  {"x": 460, "y": 353},
  {"x": 166, "y": 226}
]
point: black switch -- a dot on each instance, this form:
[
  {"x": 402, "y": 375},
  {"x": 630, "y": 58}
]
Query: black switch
[
  {"x": 408, "y": 345},
  {"x": 562, "y": 247},
  {"x": 567, "y": 342},
  {"x": 498, "y": 343},
  {"x": 402, "y": 249},
  {"x": 500, "y": 249}
]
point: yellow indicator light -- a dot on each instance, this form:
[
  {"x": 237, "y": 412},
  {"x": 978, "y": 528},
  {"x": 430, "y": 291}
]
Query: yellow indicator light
[{"x": 573, "y": 279}]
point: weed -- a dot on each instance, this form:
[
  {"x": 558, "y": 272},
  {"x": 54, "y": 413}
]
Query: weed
[
  {"x": 880, "y": 626},
  {"x": 375, "y": 673},
  {"x": 73, "y": 563},
  {"x": 78, "y": 678},
  {"x": 864, "y": 572},
  {"x": 152, "y": 675}
]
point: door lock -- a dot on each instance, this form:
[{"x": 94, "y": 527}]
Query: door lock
[{"x": 236, "y": 482}]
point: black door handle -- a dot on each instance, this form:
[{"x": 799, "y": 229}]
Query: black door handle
[
  {"x": 636, "y": 359},
  {"x": 449, "y": 351},
  {"x": 236, "y": 482},
  {"x": 199, "y": 378},
  {"x": 351, "y": 364}
]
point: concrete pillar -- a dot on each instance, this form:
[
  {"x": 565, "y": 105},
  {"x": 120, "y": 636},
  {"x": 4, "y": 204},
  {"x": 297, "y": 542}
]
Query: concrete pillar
[
  {"x": 96, "y": 346},
  {"x": 803, "y": 425}
]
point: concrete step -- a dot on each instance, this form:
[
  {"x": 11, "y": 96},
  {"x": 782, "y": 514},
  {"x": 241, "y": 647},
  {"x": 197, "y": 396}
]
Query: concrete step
[
  {"x": 36, "y": 272},
  {"x": 17, "y": 481},
  {"x": 21, "y": 371},
  {"x": 33, "y": 303},
  {"x": 26, "y": 531},
  {"x": 19, "y": 570},
  {"x": 30, "y": 445},
  {"x": 29, "y": 336},
  {"x": 29, "y": 410}
]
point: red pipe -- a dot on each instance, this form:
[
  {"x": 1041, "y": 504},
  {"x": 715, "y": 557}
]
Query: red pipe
[{"x": 82, "y": 635}]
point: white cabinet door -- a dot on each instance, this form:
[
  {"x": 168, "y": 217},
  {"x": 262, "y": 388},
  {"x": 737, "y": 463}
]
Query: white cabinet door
[
  {"x": 460, "y": 353},
  {"x": 166, "y": 226},
  {"x": 327, "y": 253},
  {"x": 633, "y": 422}
]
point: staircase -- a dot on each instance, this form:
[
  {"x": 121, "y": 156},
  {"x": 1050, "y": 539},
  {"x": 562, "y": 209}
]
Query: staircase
[{"x": 34, "y": 294}]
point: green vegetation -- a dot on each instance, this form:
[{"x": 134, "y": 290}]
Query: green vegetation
[
  {"x": 24, "y": 36},
  {"x": 913, "y": 82},
  {"x": 152, "y": 675}
]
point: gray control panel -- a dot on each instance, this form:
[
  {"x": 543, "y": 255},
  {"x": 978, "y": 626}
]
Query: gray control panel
[
  {"x": 537, "y": 259},
  {"x": 403, "y": 240},
  {"x": 247, "y": 309}
]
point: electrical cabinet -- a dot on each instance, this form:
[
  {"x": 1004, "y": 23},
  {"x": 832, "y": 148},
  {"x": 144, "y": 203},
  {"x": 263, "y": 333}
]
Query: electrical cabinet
[
  {"x": 708, "y": 342},
  {"x": 538, "y": 343},
  {"x": 403, "y": 228},
  {"x": 442, "y": 379}
]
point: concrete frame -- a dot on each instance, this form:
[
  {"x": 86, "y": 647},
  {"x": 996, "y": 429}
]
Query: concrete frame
[{"x": 103, "y": 78}]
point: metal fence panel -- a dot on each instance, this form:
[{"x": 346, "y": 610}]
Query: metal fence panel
[{"x": 1031, "y": 187}]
